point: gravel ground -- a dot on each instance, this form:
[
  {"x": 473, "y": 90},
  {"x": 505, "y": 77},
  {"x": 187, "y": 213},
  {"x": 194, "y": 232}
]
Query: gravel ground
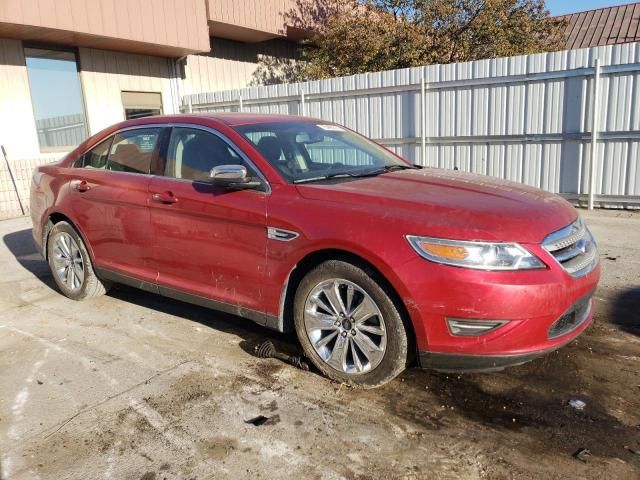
[{"x": 135, "y": 386}]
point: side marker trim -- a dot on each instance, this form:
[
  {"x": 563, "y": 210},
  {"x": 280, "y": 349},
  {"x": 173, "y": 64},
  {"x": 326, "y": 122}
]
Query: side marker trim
[{"x": 281, "y": 234}]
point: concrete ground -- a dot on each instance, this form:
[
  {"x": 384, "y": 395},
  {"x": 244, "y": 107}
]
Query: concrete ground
[{"x": 135, "y": 386}]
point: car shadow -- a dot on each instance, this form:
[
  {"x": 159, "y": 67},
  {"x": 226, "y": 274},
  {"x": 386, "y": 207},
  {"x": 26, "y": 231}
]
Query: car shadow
[
  {"x": 626, "y": 311},
  {"x": 22, "y": 247},
  {"x": 251, "y": 333}
]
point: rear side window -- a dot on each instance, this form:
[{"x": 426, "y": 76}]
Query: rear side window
[
  {"x": 96, "y": 158},
  {"x": 132, "y": 150}
]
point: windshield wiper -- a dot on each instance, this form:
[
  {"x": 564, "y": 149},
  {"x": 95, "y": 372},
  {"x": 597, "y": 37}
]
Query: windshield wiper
[
  {"x": 325, "y": 177},
  {"x": 369, "y": 173},
  {"x": 387, "y": 168}
]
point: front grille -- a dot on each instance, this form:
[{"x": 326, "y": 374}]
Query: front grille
[
  {"x": 572, "y": 319},
  {"x": 574, "y": 248}
]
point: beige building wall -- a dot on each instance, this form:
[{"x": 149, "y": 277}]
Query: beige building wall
[
  {"x": 230, "y": 64},
  {"x": 17, "y": 123},
  {"x": 267, "y": 16},
  {"x": 17, "y": 131},
  {"x": 106, "y": 74},
  {"x": 172, "y": 27}
]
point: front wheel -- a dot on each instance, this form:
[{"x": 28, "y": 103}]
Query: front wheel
[{"x": 348, "y": 325}]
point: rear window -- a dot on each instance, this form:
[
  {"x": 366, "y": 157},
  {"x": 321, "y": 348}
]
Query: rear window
[
  {"x": 96, "y": 158},
  {"x": 132, "y": 150}
]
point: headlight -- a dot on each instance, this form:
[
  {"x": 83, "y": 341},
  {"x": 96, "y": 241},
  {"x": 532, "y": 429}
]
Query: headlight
[{"x": 478, "y": 255}]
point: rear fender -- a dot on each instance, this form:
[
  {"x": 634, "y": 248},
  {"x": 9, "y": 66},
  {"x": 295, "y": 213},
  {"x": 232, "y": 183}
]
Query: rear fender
[{"x": 49, "y": 224}]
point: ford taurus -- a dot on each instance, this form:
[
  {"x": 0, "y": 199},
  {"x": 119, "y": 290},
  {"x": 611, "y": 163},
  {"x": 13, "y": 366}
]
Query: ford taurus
[{"x": 303, "y": 225}]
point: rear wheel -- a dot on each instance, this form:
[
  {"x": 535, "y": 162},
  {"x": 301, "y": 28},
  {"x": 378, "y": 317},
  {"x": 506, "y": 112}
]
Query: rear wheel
[
  {"x": 70, "y": 264},
  {"x": 348, "y": 325}
]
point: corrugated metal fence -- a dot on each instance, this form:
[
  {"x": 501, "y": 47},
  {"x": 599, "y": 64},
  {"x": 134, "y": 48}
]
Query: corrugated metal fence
[{"x": 526, "y": 118}]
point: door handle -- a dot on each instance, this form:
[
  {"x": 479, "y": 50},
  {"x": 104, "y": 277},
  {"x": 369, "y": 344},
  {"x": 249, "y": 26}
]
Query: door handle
[
  {"x": 80, "y": 185},
  {"x": 164, "y": 197}
]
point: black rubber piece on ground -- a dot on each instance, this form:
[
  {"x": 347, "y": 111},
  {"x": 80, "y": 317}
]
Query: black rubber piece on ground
[
  {"x": 268, "y": 350},
  {"x": 257, "y": 421}
]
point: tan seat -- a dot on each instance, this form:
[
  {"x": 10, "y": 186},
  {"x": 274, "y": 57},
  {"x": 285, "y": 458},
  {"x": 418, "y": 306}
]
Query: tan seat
[{"x": 129, "y": 158}]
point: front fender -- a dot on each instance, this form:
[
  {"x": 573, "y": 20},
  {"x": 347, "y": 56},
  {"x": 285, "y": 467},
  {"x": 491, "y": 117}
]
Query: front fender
[{"x": 290, "y": 268}]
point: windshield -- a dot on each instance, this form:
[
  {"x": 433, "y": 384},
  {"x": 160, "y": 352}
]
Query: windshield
[{"x": 306, "y": 152}]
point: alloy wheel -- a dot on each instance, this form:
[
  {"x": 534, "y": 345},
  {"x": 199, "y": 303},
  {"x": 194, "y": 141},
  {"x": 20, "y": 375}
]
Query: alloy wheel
[
  {"x": 67, "y": 261},
  {"x": 345, "y": 326}
]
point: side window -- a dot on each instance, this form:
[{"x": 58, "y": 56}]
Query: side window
[
  {"x": 192, "y": 153},
  {"x": 132, "y": 150},
  {"x": 97, "y": 157}
]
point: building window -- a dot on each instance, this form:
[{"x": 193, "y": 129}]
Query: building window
[
  {"x": 141, "y": 104},
  {"x": 57, "y": 99}
]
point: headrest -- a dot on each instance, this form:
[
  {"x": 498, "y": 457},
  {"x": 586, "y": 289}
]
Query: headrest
[{"x": 270, "y": 147}]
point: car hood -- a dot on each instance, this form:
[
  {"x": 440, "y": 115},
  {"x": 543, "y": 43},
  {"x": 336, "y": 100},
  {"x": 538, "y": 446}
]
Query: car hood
[{"x": 450, "y": 204}]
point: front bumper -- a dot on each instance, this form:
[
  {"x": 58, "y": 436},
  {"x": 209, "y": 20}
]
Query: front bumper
[
  {"x": 567, "y": 327},
  {"x": 530, "y": 302},
  {"x": 452, "y": 363},
  {"x": 461, "y": 363}
]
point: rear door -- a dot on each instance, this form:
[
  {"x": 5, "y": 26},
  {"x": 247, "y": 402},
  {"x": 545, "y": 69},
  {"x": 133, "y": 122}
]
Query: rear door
[
  {"x": 208, "y": 242},
  {"x": 110, "y": 196}
]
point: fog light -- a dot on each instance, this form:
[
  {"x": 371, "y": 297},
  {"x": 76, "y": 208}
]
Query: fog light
[{"x": 472, "y": 328}]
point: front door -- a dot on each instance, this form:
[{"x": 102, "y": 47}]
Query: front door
[
  {"x": 209, "y": 243},
  {"x": 110, "y": 196}
]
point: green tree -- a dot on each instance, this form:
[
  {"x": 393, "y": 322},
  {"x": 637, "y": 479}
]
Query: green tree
[{"x": 357, "y": 36}]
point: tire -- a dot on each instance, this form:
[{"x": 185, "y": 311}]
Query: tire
[
  {"x": 361, "y": 328},
  {"x": 66, "y": 251}
]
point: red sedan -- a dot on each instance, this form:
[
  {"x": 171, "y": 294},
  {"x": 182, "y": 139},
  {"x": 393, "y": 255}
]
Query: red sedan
[{"x": 299, "y": 224}]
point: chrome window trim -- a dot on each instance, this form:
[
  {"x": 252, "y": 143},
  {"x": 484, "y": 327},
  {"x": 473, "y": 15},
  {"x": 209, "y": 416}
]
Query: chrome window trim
[
  {"x": 220, "y": 135},
  {"x": 111, "y": 137}
]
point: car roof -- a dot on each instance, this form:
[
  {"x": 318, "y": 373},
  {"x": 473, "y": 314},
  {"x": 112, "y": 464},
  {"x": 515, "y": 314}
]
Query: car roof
[{"x": 228, "y": 118}]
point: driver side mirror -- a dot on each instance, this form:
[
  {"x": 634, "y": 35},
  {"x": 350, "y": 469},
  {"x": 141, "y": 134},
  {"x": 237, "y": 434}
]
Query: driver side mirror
[{"x": 233, "y": 177}]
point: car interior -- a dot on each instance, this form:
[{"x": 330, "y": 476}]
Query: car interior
[
  {"x": 290, "y": 154},
  {"x": 191, "y": 155},
  {"x": 127, "y": 157}
]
